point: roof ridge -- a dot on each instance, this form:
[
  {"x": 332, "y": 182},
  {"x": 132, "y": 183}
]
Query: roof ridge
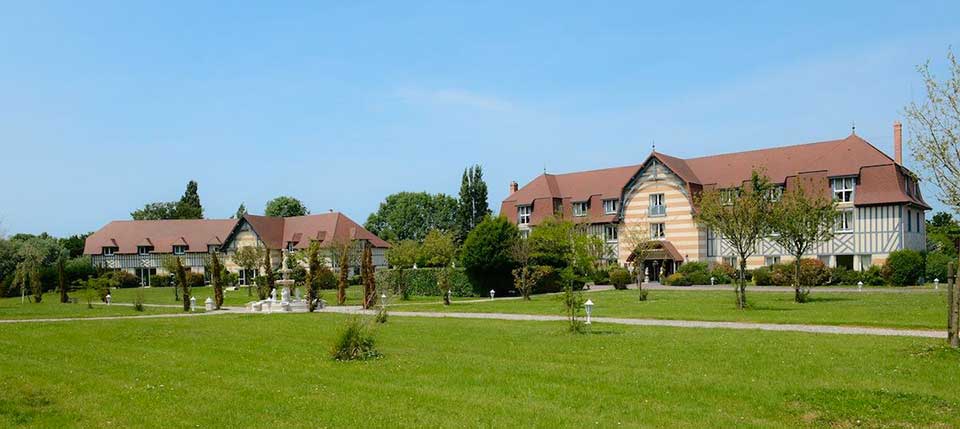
[{"x": 763, "y": 149}]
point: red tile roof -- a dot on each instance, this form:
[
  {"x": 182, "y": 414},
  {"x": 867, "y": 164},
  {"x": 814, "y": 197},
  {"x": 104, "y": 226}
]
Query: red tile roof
[
  {"x": 275, "y": 232},
  {"x": 882, "y": 180}
]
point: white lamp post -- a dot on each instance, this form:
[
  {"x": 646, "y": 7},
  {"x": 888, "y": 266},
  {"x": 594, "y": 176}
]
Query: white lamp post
[
  {"x": 109, "y": 298},
  {"x": 589, "y": 307},
  {"x": 193, "y": 303},
  {"x": 712, "y": 280},
  {"x": 208, "y": 304},
  {"x": 492, "y": 293},
  {"x": 383, "y": 300},
  {"x": 860, "y": 286},
  {"x": 936, "y": 283}
]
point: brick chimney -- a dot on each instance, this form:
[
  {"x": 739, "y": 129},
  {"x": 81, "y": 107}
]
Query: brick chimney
[
  {"x": 513, "y": 187},
  {"x": 898, "y": 142}
]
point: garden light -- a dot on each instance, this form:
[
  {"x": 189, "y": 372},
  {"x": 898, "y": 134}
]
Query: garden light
[
  {"x": 860, "y": 286},
  {"x": 589, "y": 307},
  {"x": 936, "y": 283},
  {"x": 492, "y": 293}
]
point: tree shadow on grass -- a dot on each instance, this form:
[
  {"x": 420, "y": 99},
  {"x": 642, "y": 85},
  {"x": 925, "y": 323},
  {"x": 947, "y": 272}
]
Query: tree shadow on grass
[{"x": 818, "y": 298}]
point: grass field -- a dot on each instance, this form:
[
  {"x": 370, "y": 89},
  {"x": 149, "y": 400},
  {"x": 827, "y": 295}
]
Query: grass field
[
  {"x": 898, "y": 310},
  {"x": 273, "y": 371},
  {"x": 50, "y": 307}
]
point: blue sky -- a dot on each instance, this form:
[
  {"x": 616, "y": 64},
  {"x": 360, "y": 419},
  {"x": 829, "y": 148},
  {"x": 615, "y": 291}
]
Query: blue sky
[{"x": 107, "y": 106}]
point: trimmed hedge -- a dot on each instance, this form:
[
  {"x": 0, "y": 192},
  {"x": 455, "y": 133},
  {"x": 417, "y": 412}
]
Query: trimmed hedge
[
  {"x": 423, "y": 281},
  {"x": 903, "y": 267},
  {"x": 699, "y": 273}
]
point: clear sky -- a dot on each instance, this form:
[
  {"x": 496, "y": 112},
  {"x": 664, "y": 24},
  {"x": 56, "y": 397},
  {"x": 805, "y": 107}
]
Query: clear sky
[{"x": 107, "y": 106}]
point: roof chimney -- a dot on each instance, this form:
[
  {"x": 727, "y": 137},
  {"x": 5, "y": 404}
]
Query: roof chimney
[
  {"x": 513, "y": 187},
  {"x": 898, "y": 142}
]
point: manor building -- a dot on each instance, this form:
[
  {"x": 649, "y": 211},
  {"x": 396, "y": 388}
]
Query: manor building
[
  {"x": 882, "y": 209},
  {"x": 140, "y": 246}
]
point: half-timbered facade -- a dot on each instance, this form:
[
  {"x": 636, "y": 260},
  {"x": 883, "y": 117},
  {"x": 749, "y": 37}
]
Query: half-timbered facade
[
  {"x": 140, "y": 247},
  {"x": 882, "y": 209}
]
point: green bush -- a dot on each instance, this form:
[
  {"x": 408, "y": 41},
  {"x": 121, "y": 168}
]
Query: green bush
[
  {"x": 937, "y": 266},
  {"x": 619, "y": 278},
  {"x": 678, "y": 279},
  {"x": 355, "y": 341},
  {"x": 423, "y": 281},
  {"x": 123, "y": 278},
  {"x": 873, "y": 276},
  {"x": 763, "y": 276},
  {"x": 844, "y": 276},
  {"x": 195, "y": 279},
  {"x": 903, "y": 267},
  {"x": 723, "y": 273},
  {"x": 487, "y": 256},
  {"x": 601, "y": 276},
  {"x": 161, "y": 280},
  {"x": 695, "y": 273}
]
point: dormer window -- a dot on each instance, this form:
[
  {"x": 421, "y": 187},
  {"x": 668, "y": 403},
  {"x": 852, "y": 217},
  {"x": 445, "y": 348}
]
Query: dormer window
[
  {"x": 580, "y": 209},
  {"x": 144, "y": 250},
  {"x": 523, "y": 214},
  {"x": 179, "y": 249},
  {"x": 610, "y": 206},
  {"x": 843, "y": 189},
  {"x": 290, "y": 245},
  {"x": 109, "y": 251}
]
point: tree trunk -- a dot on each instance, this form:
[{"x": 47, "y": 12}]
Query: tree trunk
[
  {"x": 742, "y": 287},
  {"x": 62, "y": 282},
  {"x": 797, "y": 296}
]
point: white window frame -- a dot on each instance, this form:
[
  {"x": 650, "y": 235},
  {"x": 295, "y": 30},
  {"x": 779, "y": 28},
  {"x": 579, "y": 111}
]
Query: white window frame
[
  {"x": 182, "y": 248},
  {"x": 658, "y": 230},
  {"x": 523, "y": 214},
  {"x": 109, "y": 250},
  {"x": 144, "y": 250},
  {"x": 658, "y": 200},
  {"x": 775, "y": 193},
  {"x": 610, "y": 233},
  {"x": 610, "y": 206},
  {"x": 843, "y": 189},
  {"x": 771, "y": 260},
  {"x": 580, "y": 208},
  {"x": 845, "y": 224},
  {"x": 727, "y": 196}
]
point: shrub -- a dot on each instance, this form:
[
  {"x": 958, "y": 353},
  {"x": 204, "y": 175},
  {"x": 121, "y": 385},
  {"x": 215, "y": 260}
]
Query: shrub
[
  {"x": 937, "y": 266},
  {"x": 601, "y": 276},
  {"x": 619, "y": 278},
  {"x": 195, "y": 279},
  {"x": 423, "y": 281},
  {"x": 123, "y": 279},
  {"x": 161, "y": 280},
  {"x": 487, "y": 255},
  {"x": 138, "y": 300},
  {"x": 355, "y": 280},
  {"x": 678, "y": 279},
  {"x": 903, "y": 267},
  {"x": 724, "y": 273},
  {"x": 553, "y": 280},
  {"x": 355, "y": 341},
  {"x": 695, "y": 273},
  {"x": 844, "y": 276},
  {"x": 873, "y": 276},
  {"x": 763, "y": 276}
]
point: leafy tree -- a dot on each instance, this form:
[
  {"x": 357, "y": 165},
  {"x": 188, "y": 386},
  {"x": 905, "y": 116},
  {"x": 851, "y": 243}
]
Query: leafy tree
[
  {"x": 241, "y": 212},
  {"x": 473, "y": 201},
  {"x": 572, "y": 306},
  {"x": 366, "y": 271},
  {"x": 403, "y": 254},
  {"x": 156, "y": 211},
  {"x": 62, "y": 279},
  {"x": 248, "y": 258},
  {"x": 801, "y": 220},
  {"x": 317, "y": 273},
  {"x": 411, "y": 215},
  {"x": 739, "y": 217},
  {"x": 216, "y": 279},
  {"x": 269, "y": 280},
  {"x": 942, "y": 234},
  {"x": 526, "y": 275},
  {"x": 284, "y": 206},
  {"x": 934, "y": 135},
  {"x": 487, "y": 255},
  {"x": 437, "y": 250},
  {"x": 560, "y": 244},
  {"x": 74, "y": 244},
  {"x": 189, "y": 205},
  {"x": 637, "y": 239}
]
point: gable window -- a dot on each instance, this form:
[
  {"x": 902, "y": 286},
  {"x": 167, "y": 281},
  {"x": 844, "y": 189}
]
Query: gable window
[
  {"x": 580, "y": 209},
  {"x": 610, "y": 206},
  {"x": 845, "y": 221},
  {"x": 109, "y": 251},
  {"x": 144, "y": 250},
  {"x": 657, "y": 207},
  {"x": 610, "y": 232},
  {"x": 557, "y": 206},
  {"x": 523, "y": 214},
  {"x": 657, "y": 230},
  {"x": 179, "y": 249},
  {"x": 290, "y": 245},
  {"x": 843, "y": 189},
  {"x": 728, "y": 195}
]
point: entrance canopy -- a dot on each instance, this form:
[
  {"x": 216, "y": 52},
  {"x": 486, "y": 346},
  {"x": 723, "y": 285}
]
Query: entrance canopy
[{"x": 662, "y": 249}]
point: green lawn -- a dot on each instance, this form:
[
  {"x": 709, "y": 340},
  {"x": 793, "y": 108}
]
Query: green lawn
[
  {"x": 273, "y": 371},
  {"x": 164, "y": 295},
  {"x": 50, "y": 307},
  {"x": 899, "y": 310}
]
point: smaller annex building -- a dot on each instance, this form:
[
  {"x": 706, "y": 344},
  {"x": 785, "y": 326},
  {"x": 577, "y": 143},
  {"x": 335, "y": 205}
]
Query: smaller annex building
[{"x": 140, "y": 246}]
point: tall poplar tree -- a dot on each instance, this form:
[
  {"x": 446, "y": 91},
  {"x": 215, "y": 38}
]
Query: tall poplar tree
[
  {"x": 189, "y": 205},
  {"x": 473, "y": 201}
]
